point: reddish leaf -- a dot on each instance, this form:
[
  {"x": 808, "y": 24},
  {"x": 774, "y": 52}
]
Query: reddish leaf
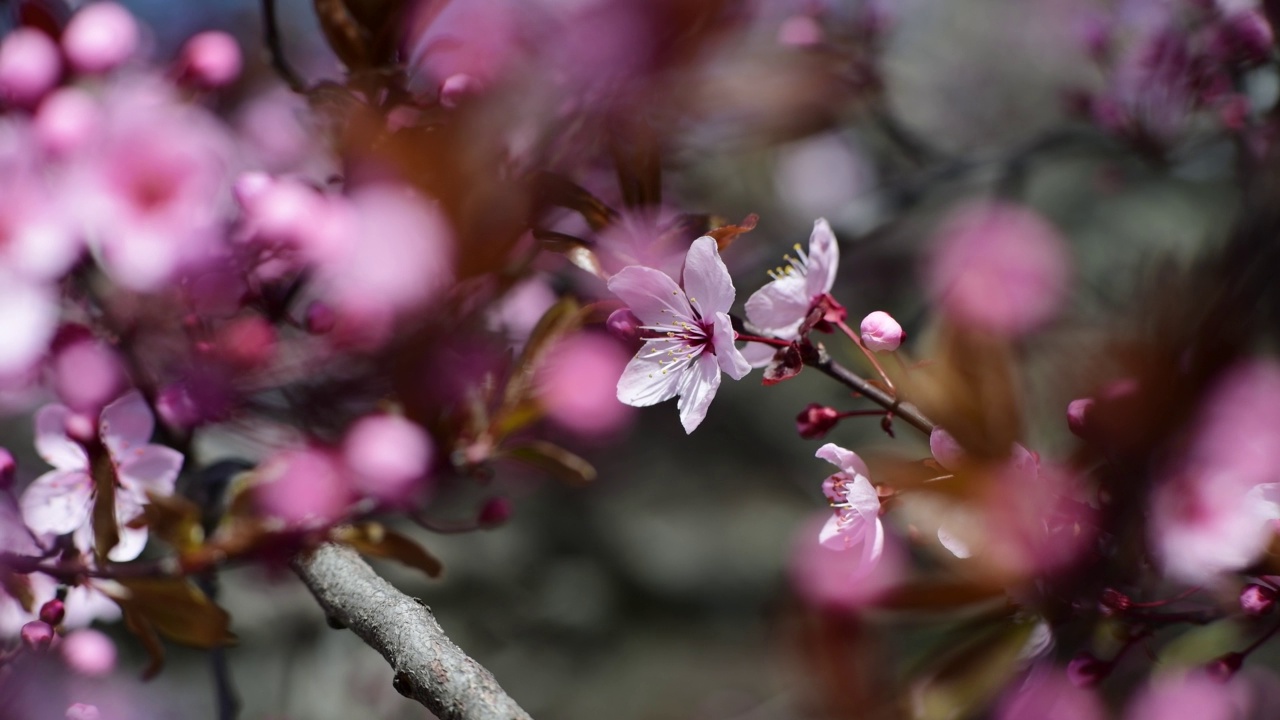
[
  {"x": 176, "y": 609},
  {"x": 376, "y": 540},
  {"x": 786, "y": 364}
]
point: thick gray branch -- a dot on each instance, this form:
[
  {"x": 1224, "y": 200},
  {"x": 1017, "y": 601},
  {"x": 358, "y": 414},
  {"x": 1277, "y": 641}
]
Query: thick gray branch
[{"x": 428, "y": 667}]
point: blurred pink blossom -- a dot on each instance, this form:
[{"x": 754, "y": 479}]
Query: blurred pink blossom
[
  {"x": 304, "y": 486},
  {"x": 577, "y": 385},
  {"x": 998, "y": 267},
  {"x": 89, "y": 652},
  {"x": 209, "y": 60},
  {"x": 100, "y": 37},
  {"x": 28, "y": 320},
  {"x": 689, "y": 335},
  {"x": 520, "y": 309},
  {"x": 1046, "y": 694},
  {"x": 29, "y": 67},
  {"x": 838, "y": 579},
  {"x": 61, "y": 500},
  {"x": 472, "y": 38},
  {"x": 83, "y": 711},
  {"x": 781, "y": 307},
  {"x": 1193, "y": 696},
  {"x": 856, "y": 520},
  {"x": 86, "y": 375},
  {"x": 389, "y": 456},
  {"x": 66, "y": 120}
]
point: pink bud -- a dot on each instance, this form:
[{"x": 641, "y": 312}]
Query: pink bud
[
  {"x": 87, "y": 375},
  {"x": 1114, "y": 601},
  {"x": 66, "y": 120},
  {"x": 81, "y": 427},
  {"x": 37, "y": 635},
  {"x": 456, "y": 88},
  {"x": 816, "y": 420},
  {"x": 1224, "y": 667},
  {"x": 249, "y": 187},
  {"x": 1244, "y": 37},
  {"x": 1078, "y": 415},
  {"x": 495, "y": 511},
  {"x": 8, "y": 469},
  {"x": 624, "y": 325},
  {"x": 1257, "y": 599},
  {"x": 320, "y": 318},
  {"x": 82, "y": 711},
  {"x": 210, "y": 60},
  {"x": 100, "y": 37},
  {"x": 1085, "y": 670},
  {"x": 389, "y": 454},
  {"x": 881, "y": 332},
  {"x": 52, "y": 612},
  {"x": 29, "y": 67},
  {"x": 303, "y": 487},
  {"x": 89, "y": 652}
]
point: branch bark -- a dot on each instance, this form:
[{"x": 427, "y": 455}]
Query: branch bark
[{"x": 428, "y": 666}]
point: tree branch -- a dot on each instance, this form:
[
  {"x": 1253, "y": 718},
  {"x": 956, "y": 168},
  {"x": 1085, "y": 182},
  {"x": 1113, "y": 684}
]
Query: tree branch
[
  {"x": 428, "y": 666},
  {"x": 275, "y": 48},
  {"x": 905, "y": 410}
]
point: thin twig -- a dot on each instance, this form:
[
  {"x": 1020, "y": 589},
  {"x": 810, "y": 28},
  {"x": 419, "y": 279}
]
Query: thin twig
[
  {"x": 905, "y": 410},
  {"x": 275, "y": 48}
]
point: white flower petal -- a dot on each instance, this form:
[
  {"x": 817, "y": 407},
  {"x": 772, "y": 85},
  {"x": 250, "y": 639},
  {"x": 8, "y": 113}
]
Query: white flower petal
[
  {"x": 654, "y": 298},
  {"x": 697, "y": 389},
  {"x": 847, "y": 460},
  {"x": 150, "y": 467},
  {"x": 954, "y": 544},
  {"x": 758, "y": 354},
  {"x": 126, "y": 424},
  {"x": 706, "y": 279},
  {"x": 645, "y": 383},
  {"x": 779, "y": 307},
  {"x": 727, "y": 354},
  {"x": 58, "y": 502},
  {"x": 52, "y": 442},
  {"x": 824, "y": 259}
]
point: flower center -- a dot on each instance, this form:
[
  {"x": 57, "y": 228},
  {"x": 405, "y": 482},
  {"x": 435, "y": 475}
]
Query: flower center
[
  {"x": 678, "y": 342},
  {"x": 795, "y": 266}
]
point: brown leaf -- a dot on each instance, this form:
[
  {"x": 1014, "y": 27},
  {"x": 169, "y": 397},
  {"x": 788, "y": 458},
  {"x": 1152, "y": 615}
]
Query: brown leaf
[
  {"x": 377, "y": 540},
  {"x": 726, "y": 234},
  {"x": 146, "y": 634},
  {"x": 554, "y": 190},
  {"x": 786, "y": 364},
  {"x": 172, "y": 518},
  {"x": 558, "y": 321},
  {"x": 176, "y": 609},
  {"x": 553, "y": 459},
  {"x": 106, "y": 532},
  {"x": 939, "y": 596},
  {"x": 576, "y": 249}
]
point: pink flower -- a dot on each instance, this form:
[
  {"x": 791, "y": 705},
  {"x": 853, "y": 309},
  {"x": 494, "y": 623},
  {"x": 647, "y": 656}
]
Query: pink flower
[
  {"x": 881, "y": 332},
  {"x": 61, "y": 500},
  {"x": 856, "y": 521},
  {"x": 576, "y": 385},
  {"x": 1046, "y": 693},
  {"x": 210, "y": 60},
  {"x": 689, "y": 334},
  {"x": 28, "y": 320},
  {"x": 100, "y": 37},
  {"x": 780, "y": 308},
  {"x": 1195, "y": 695},
  {"x": 837, "y": 579},
  {"x": 389, "y": 454},
  {"x": 29, "y": 66},
  {"x": 89, "y": 652},
  {"x": 304, "y": 486}
]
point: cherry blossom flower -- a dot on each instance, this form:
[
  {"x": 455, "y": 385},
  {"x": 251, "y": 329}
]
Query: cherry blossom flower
[
  {"x": 856, "y": 521},
  {"x": 689, "y": 336},
  {"x": 61, "y": 500},
  {"x": 780, "y": 308}
]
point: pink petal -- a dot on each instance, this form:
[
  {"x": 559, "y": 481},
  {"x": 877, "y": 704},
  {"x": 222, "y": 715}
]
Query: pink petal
[
  {"x": 697, "y": 389},
  {"x": 651, "y": 295},
  {"x": 758, "y": 354},
  {"x": 779, "y": 307},
  {"x": 644, "y": 383},
  {"x": 52, "y": 442},
  {"x": 58, "y": 502},
  {"x": 861, "y": 496},
  {"x": 844, "y": 529},
  {"x": 126, "y": 424},
  {"x": 824, "y": 259},
  {"x": 28, "y": 319},
  {"x": 946, "y": 449},
  {"x": 150, "y": 467},
  {"x": 706, "y": 279},
  {"x": 727, "y": 354},
  {"x": 847, "y": 460}
]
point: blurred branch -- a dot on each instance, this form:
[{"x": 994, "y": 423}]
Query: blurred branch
[
  {"x": 275, "y": 49},
  {"x": 428, "y": 666}
]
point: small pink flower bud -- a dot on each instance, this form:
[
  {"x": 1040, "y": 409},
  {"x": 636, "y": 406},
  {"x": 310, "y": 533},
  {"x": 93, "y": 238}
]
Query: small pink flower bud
[
  {"x": 1114, "y": 601},
  {"x": 65, "y": 121},
  {"x": 8, "y": 469},
  {"x": 881, "y": 332},
  {"x": 52, "y": 612},
  {"x": 37, "y": 635},
  {"x": 81, "y": 427},
  {"x": 87, "y": 374},
  {"x": 816, "y": 420},
  {"x": 210, "y": 60},
  {"x": 247, "y": 343},
  {"x": 1257, "y": 599},
  {"x": 29, "y": 67},
  {"x": 89, "y": 652},
  {"x": 1224, "y": 667},
  {"x": 82, "y": 711},
  {"x": 100, "y": 37},
  {"x": 495, "y": 511},
  {"x": 320, "y": 318},
  {"x": 1078, "y": 415},
  {"x": 389, "y": 454},
  {"x": 1085, "y": 670},
  {"x": 456, "y": 88},
  {"x": 624, "y": 325},
  {"x": 1244, "y": 37}
]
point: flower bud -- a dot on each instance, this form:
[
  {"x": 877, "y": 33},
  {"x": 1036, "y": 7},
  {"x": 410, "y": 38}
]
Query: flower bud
[
  {"x": 1244, "y": 37},
  {"x": 210, "y": 60},
  {"x": 881, "y": 332},
  {"x": 455, "y": 89},
  {"x": 1114, "y": 601},
  {"x": 320, "y": 318},
  {"x": 66, "y": 120},
  {"x": 1085, "y": 670},
  {"x": 816, "y": 420},
  {"x": 100, "y": 37},
  {"x": 52, "y": 612},
  {"x": 8, "y": 469},
  {"x": 29, "y": 67},
  {"x": 1224, "y": 667},
  {"x": 37, "y": 635},
  {"x": 495, "y": 511},
  {"x": 1257, "y": 599},
  {"x": 1078, "y": 415},
  {"x": 624, "y": 325}
]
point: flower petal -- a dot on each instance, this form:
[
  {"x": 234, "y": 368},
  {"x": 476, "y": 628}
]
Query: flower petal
[
  {"x": 52, "y": 442},
  {"x": 651, "y": 295},
  {"x": 861, "y": 496},
  {"x": 824, "y": 258},
  {"x": 706, "y": 279},
  {"x": 727, "y": 354},
  {"x": 645, "y": 382},
  {"x": 779, "y": 307},
  {"x": 758, "y": 354},
  {"x": 150, "y": 467},
  {"x": 126, "y": 424},
  {"x": 697, "y": 389},
  {"x": 847, "y": 460},
  {"x": 58, "y": 502},
  {"x": 128, "y": 507}
]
